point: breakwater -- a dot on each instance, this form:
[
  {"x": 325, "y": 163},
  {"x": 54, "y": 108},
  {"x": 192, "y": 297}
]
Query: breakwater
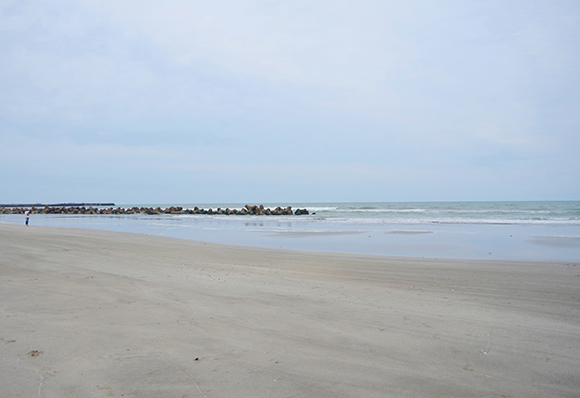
[
  {"x": 258, "y": 210},
  {"x": 38, "y": 205}
]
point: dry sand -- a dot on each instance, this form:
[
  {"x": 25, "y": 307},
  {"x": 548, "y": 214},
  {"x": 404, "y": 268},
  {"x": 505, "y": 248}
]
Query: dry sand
[{"x": 101, "y": 314}]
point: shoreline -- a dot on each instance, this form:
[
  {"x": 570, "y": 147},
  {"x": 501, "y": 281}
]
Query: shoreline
[
  {"x": 290, "y": 235},
  {"x": 88, "y": 312},
  {"x": 486, "y": 242}
]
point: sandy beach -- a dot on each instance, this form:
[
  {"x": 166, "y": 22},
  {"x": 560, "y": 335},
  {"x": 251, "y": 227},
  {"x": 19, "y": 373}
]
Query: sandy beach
[{"x": 89, "y": 313}]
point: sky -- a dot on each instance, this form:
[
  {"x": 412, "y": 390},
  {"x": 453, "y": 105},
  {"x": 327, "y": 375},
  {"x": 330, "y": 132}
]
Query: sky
[{"x": 255, "y": 101}]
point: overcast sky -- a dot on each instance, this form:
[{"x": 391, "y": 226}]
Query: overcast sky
[{"x": 259, "y": 101}]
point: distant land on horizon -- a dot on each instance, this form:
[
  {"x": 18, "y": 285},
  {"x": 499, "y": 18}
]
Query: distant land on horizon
[{"x": 56, "y": 204}]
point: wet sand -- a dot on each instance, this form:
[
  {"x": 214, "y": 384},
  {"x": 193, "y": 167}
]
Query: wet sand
[{"x": 87, "y": 313}]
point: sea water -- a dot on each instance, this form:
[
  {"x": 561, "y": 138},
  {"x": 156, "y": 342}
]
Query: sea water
[{"x": 458, "y": 230}]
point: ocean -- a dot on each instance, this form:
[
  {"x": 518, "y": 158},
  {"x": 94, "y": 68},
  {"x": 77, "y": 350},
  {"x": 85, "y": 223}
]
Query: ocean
[{"x": 455, "y": 230}]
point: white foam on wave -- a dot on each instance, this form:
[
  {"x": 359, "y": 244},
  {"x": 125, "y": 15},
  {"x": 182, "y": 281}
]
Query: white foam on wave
[
  {"x": 375, "y": 210},
  {"x": 315, "y": 208},
  {"x": 455, "y": 220}
]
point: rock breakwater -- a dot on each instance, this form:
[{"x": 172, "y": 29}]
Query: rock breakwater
[{"x": 257, "y": 210}]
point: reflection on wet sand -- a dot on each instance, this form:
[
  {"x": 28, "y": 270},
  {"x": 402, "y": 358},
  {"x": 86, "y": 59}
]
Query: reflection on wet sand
[{"x": 556, "y": 241}]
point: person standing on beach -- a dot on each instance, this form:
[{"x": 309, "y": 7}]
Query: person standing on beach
[{"x": 27, "y": 215}]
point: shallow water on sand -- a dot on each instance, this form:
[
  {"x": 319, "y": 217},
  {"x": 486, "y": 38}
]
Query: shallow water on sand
[{"x": 520, "y": 231}]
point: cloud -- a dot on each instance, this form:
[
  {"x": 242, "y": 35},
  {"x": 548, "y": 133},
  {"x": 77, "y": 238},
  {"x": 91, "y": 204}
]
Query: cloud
[
  {"x": 388, "y": 91},
  {"x": 326, "y": 43}
]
